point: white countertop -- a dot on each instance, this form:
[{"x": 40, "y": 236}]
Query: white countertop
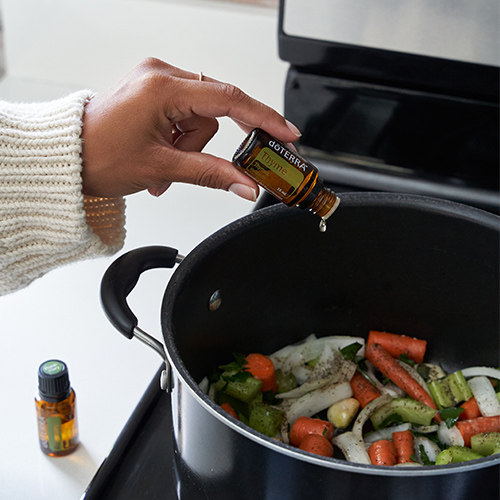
[{"x": 54, "y": 47}]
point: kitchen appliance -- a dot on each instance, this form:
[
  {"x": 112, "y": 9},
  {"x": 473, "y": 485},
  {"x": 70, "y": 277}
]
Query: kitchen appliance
[
  {"x": 400, "y": 97},
  {"x": 403, "y": 101}
]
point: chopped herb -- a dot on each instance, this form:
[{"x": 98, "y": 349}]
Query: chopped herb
[
  {"x": 349, "y": 351},
  {"x": 424, "y": 457},
  {"x": 393, "y": 418},
  {"x": 215, "y": 377},
  {"x": 424, "y": 371},
  {"x": 237, "y": 365},
  {"x": 406, "y": 359},
  {"x": 450, "y": 415},
  {"x": 362, "y": 364},
  {"x": 269, "y": 398},
  {"x": 237, "y": 377}
]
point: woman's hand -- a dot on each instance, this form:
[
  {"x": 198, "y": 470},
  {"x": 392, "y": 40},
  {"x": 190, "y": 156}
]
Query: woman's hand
[{"x": 147, "y": 131}]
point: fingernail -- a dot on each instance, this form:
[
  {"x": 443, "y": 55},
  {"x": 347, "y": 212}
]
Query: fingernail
[
  {"x": 157, "y": 191},
  {"x": 293, "y": 128},
  {"x": 243, "y": 191}
]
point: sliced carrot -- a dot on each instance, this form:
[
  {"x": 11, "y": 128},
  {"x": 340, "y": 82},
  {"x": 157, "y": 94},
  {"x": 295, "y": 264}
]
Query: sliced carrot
[
  {"x": 229, "y": 409},
  {"x": 384, "y": 362},
  {"x": 471, "y": 410},
  {"x": 382, "y": 452},
  {"x": 262, "y": 368},
  {"x": 363, "y": 390},
  {"x": 403, "y": 442},
  {"x": 469, "y": 428},
  {"x": 315, "y": 443},
  {"x": 307, "y": 425},
  {"x": 396, "y": 344}
]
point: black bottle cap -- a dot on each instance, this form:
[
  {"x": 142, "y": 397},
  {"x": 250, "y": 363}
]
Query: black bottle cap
[{"x": 53, "y": 381}]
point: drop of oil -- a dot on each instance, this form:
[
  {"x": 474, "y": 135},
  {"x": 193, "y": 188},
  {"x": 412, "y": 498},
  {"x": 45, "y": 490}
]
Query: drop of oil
[{"x": 322, "y": 225}]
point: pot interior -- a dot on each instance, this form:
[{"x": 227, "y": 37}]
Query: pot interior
[{"x": 402, "y": 264}]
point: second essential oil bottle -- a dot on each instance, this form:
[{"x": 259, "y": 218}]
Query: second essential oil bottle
[
  {"x": 56, "y": 410},
  {"x": 284, "y": 174}
]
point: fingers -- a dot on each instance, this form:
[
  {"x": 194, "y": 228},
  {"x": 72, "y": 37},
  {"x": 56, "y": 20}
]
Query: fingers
[
  {"x": 194, "y": 133},
  {"x": 209, "y": 171},
  {"x": 211, "y": 98}
]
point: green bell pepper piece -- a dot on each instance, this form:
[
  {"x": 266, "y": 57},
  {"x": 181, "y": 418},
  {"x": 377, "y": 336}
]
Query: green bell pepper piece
[
  {"x": 407, "y": 409},
  {"x": 285, "y": 382},
  {"x": 265, "y": 419},
  {"x": 455, "y": 454},
  {"x": 486, "y": 443}
]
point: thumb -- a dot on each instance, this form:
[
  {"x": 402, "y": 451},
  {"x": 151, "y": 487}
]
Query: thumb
[{"x": 207, "y": 170}]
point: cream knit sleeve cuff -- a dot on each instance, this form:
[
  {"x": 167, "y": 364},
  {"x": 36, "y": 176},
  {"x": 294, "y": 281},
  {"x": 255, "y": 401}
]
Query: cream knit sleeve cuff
[{"x": 45, "y": 221}]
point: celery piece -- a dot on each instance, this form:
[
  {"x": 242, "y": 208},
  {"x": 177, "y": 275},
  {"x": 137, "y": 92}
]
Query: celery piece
[
  {"x": 285, "y": 382},
  {"x": 450, "y": 390},
  {"x": 455, "y": 454},
  {"x": 265, "y": 419},
  {"x": 245, "y": 390},
  {"x": 486, "y": 443},
  {"x": 407, "y": 409}
]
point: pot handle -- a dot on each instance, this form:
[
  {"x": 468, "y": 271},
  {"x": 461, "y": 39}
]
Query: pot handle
[{"x": 121, "y": 278}]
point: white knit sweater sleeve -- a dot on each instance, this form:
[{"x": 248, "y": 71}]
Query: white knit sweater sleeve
[{"x": 45, "y": 221}]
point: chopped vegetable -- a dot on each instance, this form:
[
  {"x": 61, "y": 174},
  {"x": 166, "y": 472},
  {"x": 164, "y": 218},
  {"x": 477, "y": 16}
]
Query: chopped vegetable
[
  {"x": 426, "y": 450},
  {"x": 307, "y": 425},
  {"x": 486, "y": 443},
  {"x": 265, "y": 419},
  {"x": 382, "y": 452},
  {"x": 262, "y": 368},
  {"x": 469, "y": 428},
  {"x": 407, "y": 409},
  {"x": 330, "y": 368},
  {"x": 362, "y": 389},
  {"x": 342, "y": 413},
  {"x": 450, "y": 416},
  {"x": 471, "y": 409},
  {"x": 316, "y": 401},
  {"x": 485, "y": 395},
  {"x": 450, "y": 436},
  {"x": 353, "y": 447},
  {"x": 403, "y": 442},
  {"x": 386, "y": 433},
  {"x": 382, "y": 360},
  {"x": 450, "y": 390},
  {"x": 243, "y": 390},
  {"x": 478, "y": 371},
  {"x": 310, "y": 395},
  {"x": 229, "y": 409},
  {"x": 455, "y": 454},
  {"x": 317, "y": 444},
  {"x": 285, "y": 382},
  {"x": 396, "y": 345}
]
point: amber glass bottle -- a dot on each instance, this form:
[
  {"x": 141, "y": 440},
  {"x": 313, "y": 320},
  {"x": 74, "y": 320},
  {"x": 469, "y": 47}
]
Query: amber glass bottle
[
  {"x": 284, "y": 173},
  {"x": 56, "y": 410}
]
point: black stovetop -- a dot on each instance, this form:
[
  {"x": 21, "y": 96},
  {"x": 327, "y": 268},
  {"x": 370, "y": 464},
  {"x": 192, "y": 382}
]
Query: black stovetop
[{"x": 139, "y": 466}]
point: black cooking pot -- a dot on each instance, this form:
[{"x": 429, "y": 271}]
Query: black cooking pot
[{"x": 405, "y": 264}]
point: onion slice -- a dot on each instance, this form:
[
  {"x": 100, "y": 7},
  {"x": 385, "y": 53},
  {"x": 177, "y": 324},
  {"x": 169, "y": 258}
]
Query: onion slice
[
  {"x": 485, "y": 395},
  {"x": 316, "y": 401},
  {"x": 367, "y": 412},
  {"x": 478, "y": 371},
  {"x": 330, "y": 369},
  {"x": 450, "y": 437},
  {"x": 353, "y": 447}
]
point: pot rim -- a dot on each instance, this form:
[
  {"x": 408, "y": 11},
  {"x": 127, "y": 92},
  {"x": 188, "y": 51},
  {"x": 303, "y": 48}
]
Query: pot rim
[{"x": 268, "y": 215}]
